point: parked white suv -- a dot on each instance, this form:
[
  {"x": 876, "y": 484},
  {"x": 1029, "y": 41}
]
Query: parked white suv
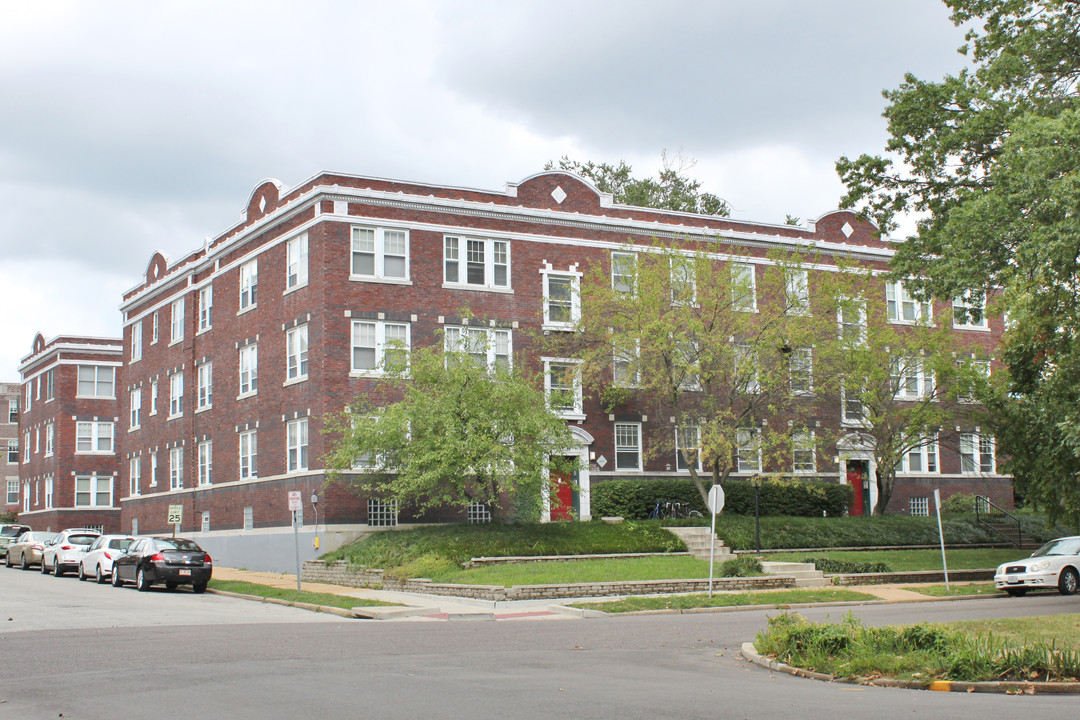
[{"x": 64, "y": 552}]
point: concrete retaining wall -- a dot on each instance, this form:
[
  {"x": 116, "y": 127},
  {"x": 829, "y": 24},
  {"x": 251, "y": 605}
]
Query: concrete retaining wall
[{"x": 338, "y": 573}]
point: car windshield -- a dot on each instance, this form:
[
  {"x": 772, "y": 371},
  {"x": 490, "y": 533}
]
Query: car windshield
[
  {"x": 121, "y": 543},
  {"x": 177, "y": 544},
  {"x": 12, "y": 530},
  {"x": 36, "y": 537},
  {"x": 81, "y": 539},
  {"x": 1064, "y": 546}
]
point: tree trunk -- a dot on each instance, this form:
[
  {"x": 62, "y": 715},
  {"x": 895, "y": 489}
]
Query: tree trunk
[{"x": 885, "y": 482}]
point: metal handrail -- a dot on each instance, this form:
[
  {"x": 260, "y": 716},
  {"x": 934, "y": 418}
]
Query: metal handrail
[{"x": 992, "y": 516}]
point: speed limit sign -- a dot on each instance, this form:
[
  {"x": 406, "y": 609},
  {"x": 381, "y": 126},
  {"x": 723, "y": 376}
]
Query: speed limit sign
[{"x": 176, "y": 514}]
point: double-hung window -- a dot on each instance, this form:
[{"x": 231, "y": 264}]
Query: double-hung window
[
  {"x": 803, "y": 452},
  {"x": 683, "y": 281},
  {"x": 296, "y": 353},
  {"x": 748, "y": 449},
  {"x": 623, "y": 272},
  {"x": 626, "y": 366},
  {"x": 489, "y": 347},
  {"x": 176, "y": 468},
  {"x": 379, "y": 346},
  {"x": 154, "y": 328},
  {"x": 135, "y": 408},
  {"x": 206, "y": 308},
  {"x": 248, "y": 453},
  {"x": 969, "y": 313},
  {"x": 134, "y": 475},
  {"x": 176, "y": 394},
  {"x": 296, "y": 262},
  {"x": 96, "y": 381},
  {"x": 380, "y": 253},
  {"x": 50, "y": 384},
  {"x": 13, "y": 452},
  {"x": 50, "y": 439},
  {"x": 743, "y": 287},
  {"x": 249, "y": 284},
  {"x": 136, "y": 341},
  {"x": 93, "y": 437},
  {"x": 92, "y": 491},
  {"x": 562, "y": 300},
  {"x": 911, "y": 379},
  {"x": 687, "y": 366},
  {"x": 852, "y": 319},
  {"x": 852, "y": 409},
  {"x": 562, "y": 383},
  {"x": 746, "y": 368},
  {"x": 976, "y": 453},
  {"x": 205, "y": 377},
  {"x": 476, "y": 262},
  {"x": 922, "y": 459},
  {"x": 797, "y": 291},
  {"x": 801, "y": 371},
  {"x": 153, "y": 396},
  {"x": 206, "y": 461},
  {"x": 249, "y": 370},
  {"x": 628, "y": 446},
  {"x": 687, "y": 447},
  {"x": 13, "y": 411},
  {"x": 902, "y": 308},
  {"x": 13, "y": 491},
  {"x": 176, "y": 322},
  {"x": 297, "y": 445}
]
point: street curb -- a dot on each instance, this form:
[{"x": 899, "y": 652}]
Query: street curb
[
  {"x": 750, "y": 653},
  {"x": 312, "y": 607}
]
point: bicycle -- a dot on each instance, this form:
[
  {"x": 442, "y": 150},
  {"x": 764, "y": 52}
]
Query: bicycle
[{"x": 673, "y": 510}]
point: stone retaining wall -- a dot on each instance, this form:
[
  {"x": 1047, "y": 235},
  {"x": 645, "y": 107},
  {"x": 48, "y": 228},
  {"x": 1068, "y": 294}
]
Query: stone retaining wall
[
  {"x": 338, "y": 573},
  {"x": 913, "y": 576}
]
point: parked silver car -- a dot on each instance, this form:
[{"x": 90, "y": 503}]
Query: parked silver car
[
  {"x": 98, "y": 560},
  {"x": 64, "y": 551},
  {"x": 1055, "y": 565},
  {"x": 27, "y": 549}
]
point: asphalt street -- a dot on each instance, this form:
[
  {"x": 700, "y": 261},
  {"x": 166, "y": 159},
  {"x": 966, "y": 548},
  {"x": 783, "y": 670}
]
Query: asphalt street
[{"x": 113, "y": 653}]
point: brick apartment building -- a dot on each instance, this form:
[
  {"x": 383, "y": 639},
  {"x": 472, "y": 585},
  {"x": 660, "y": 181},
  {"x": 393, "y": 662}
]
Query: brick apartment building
[
  {"x": 234, "y": 353},
  {"x": 69, "y": 425},
  {"x": 9, "y": 444}
]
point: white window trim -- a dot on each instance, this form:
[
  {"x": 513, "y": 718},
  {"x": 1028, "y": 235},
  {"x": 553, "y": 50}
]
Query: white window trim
[
  {"x": 248, "y": 286},
  {"x": 575, "y": 412},
  {"x": 96, "y": 483},
  {"x": 975, "y": 439},
  {"x": 300, "y": 331},
  {"x": 252, "y": 440},
  {"x": 380, "y": 348},
  {"x": 50, "y": 439},
  {"x": 206, "y": 309},
  {"x": 633, "y": 258},
  {"x": 206, "y": 462},
  {"x": 134, "y": 475},
  {"x": 153, "y": 396},
  {"x": 252, "y": 373},
  {"x": 135, "y": 409},
  {"x": 296, "y": 442},
  {"x": 678, "y": 265},
  {"x": 897, "y": 298},
  {"x": 844, "y": 419},
  {"x": 736, "y": 285},
  {"x": 913, "y": 368},
  {"x": 136, "y": 341},
  {"x": 296, "y": 257},
  {"x": 860, "y": 321},
  {"x": 204, "y": 396},
  {"x": 927, "y": 449},
  {"x": 680, "y": 432},
  {"x": 96, "y": 436},
  {"x": 176, "y": 321},
  {"x": 176, "y": 468},
  {"x": 626, "y": 448},
  {"x": 176, "y": 395},
  {"x": 379, "y": 255},
  {"x": 748, "y": 439},
  {"x": 964, "y": 303},
  {"x": 547, "y": 274},
  {"x": 797, "y": 289},
  {"x": 633, "y": 360},
  {"x": 808, "y": 352},
  {"x": 810, "y": 446},
  {"x": 491, "y": 345},
  {"x": 462, "y": 263},
  {"x": 97, "y": 382}
]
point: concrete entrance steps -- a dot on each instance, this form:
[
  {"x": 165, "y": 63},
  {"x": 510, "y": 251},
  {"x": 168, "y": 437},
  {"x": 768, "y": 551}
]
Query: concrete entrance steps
[
  {"x": 697, "y": 541},
  {"x": 805, "y": 574}
]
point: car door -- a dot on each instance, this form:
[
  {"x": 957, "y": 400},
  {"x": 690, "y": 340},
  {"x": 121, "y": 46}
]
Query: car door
[{"x": 124, "y": 566}]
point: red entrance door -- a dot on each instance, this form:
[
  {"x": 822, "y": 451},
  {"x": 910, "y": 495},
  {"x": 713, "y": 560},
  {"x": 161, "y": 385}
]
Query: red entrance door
[
  {"x": 562, "y": 497},
  {"x": 855, "y": 480}
]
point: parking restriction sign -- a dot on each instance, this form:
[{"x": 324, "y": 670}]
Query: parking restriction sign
[{"x": 295, "y": 503}]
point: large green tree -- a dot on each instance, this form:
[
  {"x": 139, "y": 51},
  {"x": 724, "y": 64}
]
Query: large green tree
[
  {"x": 461, "y": 433},
  {"x": 671, "y": 189},
  {"x": 989, "y": 161}
]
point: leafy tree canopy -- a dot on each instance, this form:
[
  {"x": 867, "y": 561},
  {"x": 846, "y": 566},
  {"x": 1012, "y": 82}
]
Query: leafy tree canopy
[
  {"x": 671, "y": 189},
  {"x": 461, "y": 433}
]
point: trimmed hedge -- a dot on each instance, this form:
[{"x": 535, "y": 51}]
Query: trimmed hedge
[{"x": 635, "y": 498}]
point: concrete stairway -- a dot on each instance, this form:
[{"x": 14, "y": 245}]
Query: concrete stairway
[
  {"x": 697, "y": 542},
  {"x": 805, "y": 574}
]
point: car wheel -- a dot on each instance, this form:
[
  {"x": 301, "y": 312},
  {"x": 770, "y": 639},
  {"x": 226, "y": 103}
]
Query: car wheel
[
  {"x": 58, "y": 569},
  {"x": 24, "y": 566},
  {"x": 44, "y": 568},
  {"x": 116, "y": 581},
  {"x": 199, "y": 588},
  {"x": 82, "y": 573},
  {"x": 170, "y": 586},
  {"x": 7, "y": 560},
  {"x": 98, "y": 577},
  {"x": 1068, "y": 581},
  {"x": 1016, "y": 592},
  {"x": 141, "y": 581}
]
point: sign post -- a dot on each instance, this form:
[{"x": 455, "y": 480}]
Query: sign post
[
  {"x": 941, "y": 534},
  {"x": 716, "y": 504},
  {"x": 176, "y": 517},
  {"x": 295, "y": 505}
]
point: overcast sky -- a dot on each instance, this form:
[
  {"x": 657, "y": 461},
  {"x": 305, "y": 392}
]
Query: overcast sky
[{"x": 130, "y": 127}]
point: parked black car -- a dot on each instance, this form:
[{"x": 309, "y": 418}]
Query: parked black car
[{"x": 172, "y": 561}]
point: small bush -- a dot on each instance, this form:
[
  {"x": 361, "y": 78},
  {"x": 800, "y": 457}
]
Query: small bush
[
  {"x": 744, "y": 566},
  {"x": 958, "y": 504},
  {"x": 834, "y": 565}
]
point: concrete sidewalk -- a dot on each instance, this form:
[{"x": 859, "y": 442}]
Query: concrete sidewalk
[{"x": 437, "y": 607}]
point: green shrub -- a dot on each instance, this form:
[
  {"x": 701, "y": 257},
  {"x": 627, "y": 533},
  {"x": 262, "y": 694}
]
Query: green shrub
[
  {"x": 636, "y": 497},
  {"x": 958, "y": 504},
  {"x": 737, "y": 532},
  {"x": 744, "y": 566},
  {"x": 835, "y": 565}
]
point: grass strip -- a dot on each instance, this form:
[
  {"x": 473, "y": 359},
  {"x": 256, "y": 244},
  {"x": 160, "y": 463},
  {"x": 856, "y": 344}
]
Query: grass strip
[
  {"x": 315, "y": 598},
  {"x": 909, "y": 560},
  {"x": 593, "y": 570},
  {"x": 687, "y": 602},
  {"x": 955, "y": 590}
]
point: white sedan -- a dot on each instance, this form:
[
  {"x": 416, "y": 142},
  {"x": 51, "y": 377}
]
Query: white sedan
[
  {"x": 1055, "y": 564},
  {"x": 98, "y": 560}
]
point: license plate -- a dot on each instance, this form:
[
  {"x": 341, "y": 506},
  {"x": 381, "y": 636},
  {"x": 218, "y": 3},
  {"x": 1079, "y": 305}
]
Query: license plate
[
  {"x": 1011, "y": 579},
  {"x": 184, "y": 573}
]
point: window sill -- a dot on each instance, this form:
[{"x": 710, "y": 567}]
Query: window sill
[
  {"x": 295, "y": 381},
  {"x": 176, "y": 341},
  {"x": 174, "y": 417},
  {"x": 571, "y": 415},
  {"x": 203, "y": 409},
  {"x": 246, "y": 309},
  {"x": 971, "y": 328},
  {"x": 558, "y": 327},
  {"x": 244, "y": 396},
  {"x": 133, "y": 428},
  {"x": 99, "y": 453},
  {"x": 294, "y": 288},
  {"x": 478, "y": 288},
  {"x": 381, "y": 280},
  {"x": 203, "y": 331}
]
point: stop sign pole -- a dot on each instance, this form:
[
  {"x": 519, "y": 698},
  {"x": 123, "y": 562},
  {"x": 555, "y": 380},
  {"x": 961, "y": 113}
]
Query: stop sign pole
[
  {"x": 716, "y": 504},
  {"x": 295, "y": 505}
]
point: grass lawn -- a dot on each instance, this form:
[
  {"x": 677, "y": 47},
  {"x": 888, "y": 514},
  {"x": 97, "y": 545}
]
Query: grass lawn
[
  {"x": 904, "y": 560},
  {"x": 578, "y": 571},
  {"x": 955, "y": 590},
  {"x": 684, "y": 602},
  {"x": 1062, "y": 630},
  {"x": 268, "y": 591}
]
